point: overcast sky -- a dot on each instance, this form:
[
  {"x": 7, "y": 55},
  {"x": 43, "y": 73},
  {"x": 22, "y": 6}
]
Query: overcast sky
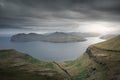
[{"x": 59, "y": 15}]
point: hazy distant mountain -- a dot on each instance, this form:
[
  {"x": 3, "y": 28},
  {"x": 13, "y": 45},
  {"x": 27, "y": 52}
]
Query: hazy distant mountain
[
  {"x": 108, "y": 36},
  {"x": 48, "y": 37},
  {"x": 88, "y": 34}
]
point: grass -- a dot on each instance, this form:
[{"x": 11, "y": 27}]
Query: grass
[
  {"x": 4, "y": 55},
  {"x": 111, "y": 44},
  {"x": 88, "y": 69},
  {"x": 19, "y": 66},
  {"x": 13, "y": 74}
]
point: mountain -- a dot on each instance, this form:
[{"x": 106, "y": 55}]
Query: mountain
[
  {"x": 101, "y": 61},
  {"x": 108, "y": 36},
  {"x": 52, "y": 37}
]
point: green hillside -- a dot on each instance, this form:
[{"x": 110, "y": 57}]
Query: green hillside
[
  {"x": 111, "y": 44},
  {"x": 18, "y": 66},
  {"x": 100, "y": 62}
]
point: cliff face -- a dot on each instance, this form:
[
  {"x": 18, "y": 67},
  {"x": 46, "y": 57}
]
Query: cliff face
[
  {"x": 107, "y": 54},
  {"x": 100, "y": 62},
  {"x": 107, "y": 58}
]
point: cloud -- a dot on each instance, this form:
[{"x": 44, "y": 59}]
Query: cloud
[{"x": 28, "y": 14}]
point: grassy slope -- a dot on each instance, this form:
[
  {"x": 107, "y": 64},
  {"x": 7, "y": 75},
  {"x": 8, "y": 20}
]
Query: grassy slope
[
  {"x": 111, "y": 44},
  {"x": 87, "y": 69},
  {"x": 19, "y": 66},
  {"x": 98, "y": 63},
  {"x": 101, "y": 64}
]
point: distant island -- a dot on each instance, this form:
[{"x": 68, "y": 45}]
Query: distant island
[
  {"x": 108, "y": 36},
  {"x": 58, "y": 37}
]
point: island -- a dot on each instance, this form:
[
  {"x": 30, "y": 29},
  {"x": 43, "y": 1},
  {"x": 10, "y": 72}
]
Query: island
[
  {"x": 108, "y": 36},
  {"x": 56, "y": 37},
  {"x": 48, "y": 37}
]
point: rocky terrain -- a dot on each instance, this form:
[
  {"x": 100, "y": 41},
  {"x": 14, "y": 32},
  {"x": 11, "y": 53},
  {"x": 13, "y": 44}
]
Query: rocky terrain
[{"x": 101, "y": 61}]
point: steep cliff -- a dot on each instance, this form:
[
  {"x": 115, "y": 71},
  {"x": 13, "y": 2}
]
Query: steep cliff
[{"x": 100, "y": 62}]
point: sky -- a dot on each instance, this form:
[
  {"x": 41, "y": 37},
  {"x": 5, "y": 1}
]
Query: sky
[{"x": 40, "y": 16}]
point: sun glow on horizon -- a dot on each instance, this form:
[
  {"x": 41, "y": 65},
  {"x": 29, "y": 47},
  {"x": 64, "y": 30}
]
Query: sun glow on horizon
[{"x": 99, "y": 27}]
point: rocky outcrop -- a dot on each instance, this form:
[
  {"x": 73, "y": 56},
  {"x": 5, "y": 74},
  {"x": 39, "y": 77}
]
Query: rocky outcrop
[{"x": 107, "y": 58}]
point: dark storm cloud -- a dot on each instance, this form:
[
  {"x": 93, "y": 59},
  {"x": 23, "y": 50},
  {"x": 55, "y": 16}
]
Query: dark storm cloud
[{"x": 56, "y": 13}]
